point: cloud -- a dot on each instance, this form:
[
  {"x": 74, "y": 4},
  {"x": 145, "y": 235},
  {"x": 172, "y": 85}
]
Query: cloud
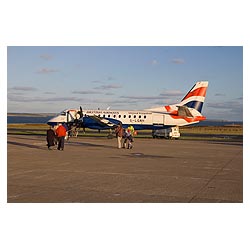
[
  {"x": 86, "y": 92},
  {"x": 15, "y": 98},
  {"x": 162, "y": 96},
  {"x": 178, "y": 61},
  {"x": 46, "y": 57},
  {"x": 219, "y": 94},
  {"x": 233, "y": 107},
  {"x": 23, "y": 88},
  {"x": 154, "y": 62},
  {"x": 110, "y": 78},
  {"x": 224, "y": 105},
  {"x": 96, "y": 81},
  {"x": 143, "y": 97},
  {"x": 17, "y": 93},
  {"x": 171, "y": 93},
  {"x": 49, "y": 93},
  {"x": 113, "y": 101},
  {"x": 59, "y": 99},
  {"x": 109, "y": 86},
  {"x": 46, "y": 71}
]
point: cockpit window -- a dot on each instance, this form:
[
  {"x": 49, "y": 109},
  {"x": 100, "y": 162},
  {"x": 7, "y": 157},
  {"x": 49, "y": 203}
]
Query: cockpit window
[{"x": 63, "y": 113}]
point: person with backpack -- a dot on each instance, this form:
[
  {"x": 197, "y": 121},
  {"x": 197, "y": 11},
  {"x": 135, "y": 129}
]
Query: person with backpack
[{"x": 128, "y": 139}]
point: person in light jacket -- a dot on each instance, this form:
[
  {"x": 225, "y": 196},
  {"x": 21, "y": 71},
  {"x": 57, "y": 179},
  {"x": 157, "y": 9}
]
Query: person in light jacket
[{"x": 119, "y": 134}]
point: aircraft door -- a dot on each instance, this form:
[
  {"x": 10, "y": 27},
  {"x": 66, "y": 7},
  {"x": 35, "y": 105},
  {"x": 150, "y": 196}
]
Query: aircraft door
[
  {"x": 158, "y": 119},
  {"x": 70, "y": 116}
]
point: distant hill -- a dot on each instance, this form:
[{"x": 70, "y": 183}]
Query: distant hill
[
  {"x": 218, "y": 123},
  {"x": 31, "y": 114}
]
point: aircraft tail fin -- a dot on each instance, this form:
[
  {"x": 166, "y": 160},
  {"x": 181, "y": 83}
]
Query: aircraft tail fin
[{"x": 196, "y": 96}]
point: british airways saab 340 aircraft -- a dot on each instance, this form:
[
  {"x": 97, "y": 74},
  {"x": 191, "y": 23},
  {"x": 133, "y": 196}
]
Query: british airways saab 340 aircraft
[{"x": 187, "y": 112}]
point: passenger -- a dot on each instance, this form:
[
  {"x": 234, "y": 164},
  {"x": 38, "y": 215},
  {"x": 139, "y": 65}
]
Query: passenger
[
  {"x": 50, "y": 138},
  {"x": 125, "y": 139},
  {"x": 132, "y": 133},
  {"x": 119, "y": 134},
  {"x": 129, "y": 139},
  {"x": 67, "y": 131},
  {"x": 132, "y": 130},
  {"x": 61, "y": 133}
]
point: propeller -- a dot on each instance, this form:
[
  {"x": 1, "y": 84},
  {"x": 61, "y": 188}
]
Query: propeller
[
  {"x": 67, "y": 116},
  {"x": 79, "y": 122},
  {"x": 80, "y": 112}
]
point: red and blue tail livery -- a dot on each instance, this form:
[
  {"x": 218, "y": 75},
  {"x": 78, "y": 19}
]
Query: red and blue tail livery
[{"x": 196, "y": 96}]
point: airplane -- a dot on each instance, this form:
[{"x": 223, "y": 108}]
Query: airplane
[{"x": 187, "y": 112}]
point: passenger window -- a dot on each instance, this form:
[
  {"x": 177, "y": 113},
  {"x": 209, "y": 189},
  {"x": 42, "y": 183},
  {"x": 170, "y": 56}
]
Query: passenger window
[
  {"x": 134, "y": 116},
  {"x": 119, "y": 116},
  {"x": 114, "y": 116},
  {"x": 129, "y": 116},
  {"x": 124, "y": 116},
  {"x": 139, "y": 116},
  {"x": 108, "y": 115},
  {"x": 145, "y": 117}
]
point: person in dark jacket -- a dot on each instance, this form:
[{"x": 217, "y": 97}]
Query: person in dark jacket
[{"x": 50, "y": 138}]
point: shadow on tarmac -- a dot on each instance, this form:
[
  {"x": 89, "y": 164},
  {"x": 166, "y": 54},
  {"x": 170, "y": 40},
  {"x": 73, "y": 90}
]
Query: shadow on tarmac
[
  {"x": 26, "y": 145},
  {"x": 233, "y": 143},
  {"x": 141, "y": 155},
  {"x": 89, "y": 144},
  {"x": 68, "y": 144}
]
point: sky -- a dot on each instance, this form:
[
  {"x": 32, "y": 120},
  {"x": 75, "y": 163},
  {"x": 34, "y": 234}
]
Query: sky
[{"x": 49, "y": 79}]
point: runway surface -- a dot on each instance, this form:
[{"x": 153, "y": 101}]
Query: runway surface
[{"x": 94, "y": 170}]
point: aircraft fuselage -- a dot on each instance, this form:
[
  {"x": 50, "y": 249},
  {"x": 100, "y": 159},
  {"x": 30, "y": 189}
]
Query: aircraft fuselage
[{"x": 139, "y": 119}]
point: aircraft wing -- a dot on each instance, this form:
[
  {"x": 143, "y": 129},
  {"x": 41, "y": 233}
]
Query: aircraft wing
[
  {"x": 181, "y": 111},
  {"x": 104, "y": 122}
]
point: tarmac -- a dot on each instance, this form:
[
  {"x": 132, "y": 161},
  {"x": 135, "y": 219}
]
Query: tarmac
[{"x": 94, "y": 170}]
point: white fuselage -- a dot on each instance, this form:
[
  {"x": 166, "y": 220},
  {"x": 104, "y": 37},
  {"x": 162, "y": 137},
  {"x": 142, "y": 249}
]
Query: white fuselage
[{"x": 144, "y": 119}]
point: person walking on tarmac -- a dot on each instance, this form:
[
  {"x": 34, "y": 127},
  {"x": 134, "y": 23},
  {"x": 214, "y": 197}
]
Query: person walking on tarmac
[
  {"x": 131, "y": 129},
  {"x": 119, "y": 134},
  {"x": 50, "y": 138},
  {"x": 61, "y": 133},
  {"x": 132, "y": 132},
  {"x": 128, "y": 139}
]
